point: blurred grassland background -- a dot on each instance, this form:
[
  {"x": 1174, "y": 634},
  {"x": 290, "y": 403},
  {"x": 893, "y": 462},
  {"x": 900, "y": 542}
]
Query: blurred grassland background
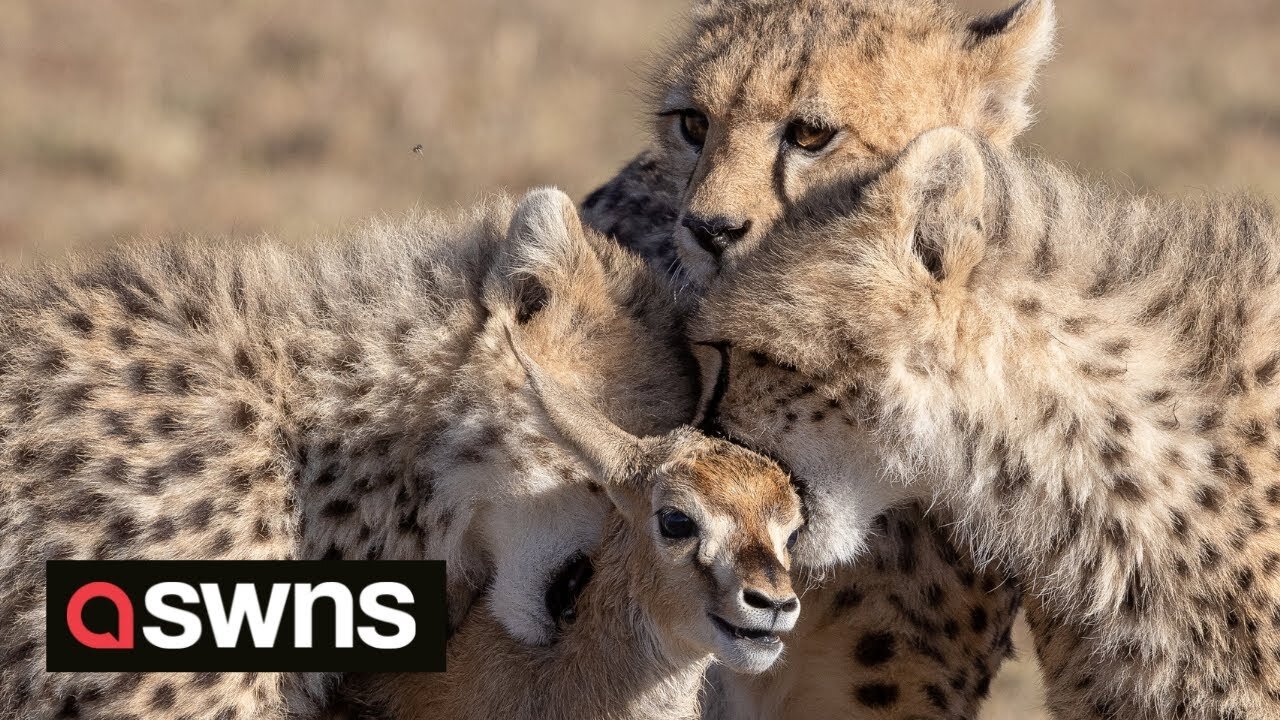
[{"x": 147, "y": 117}]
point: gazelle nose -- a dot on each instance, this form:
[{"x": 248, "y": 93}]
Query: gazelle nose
[
  {"x": 761, "y": 601},
  {"x": 716, "y": 234}
]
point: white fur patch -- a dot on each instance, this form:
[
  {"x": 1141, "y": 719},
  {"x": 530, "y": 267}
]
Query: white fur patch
[{"x": 530, "y": 538}]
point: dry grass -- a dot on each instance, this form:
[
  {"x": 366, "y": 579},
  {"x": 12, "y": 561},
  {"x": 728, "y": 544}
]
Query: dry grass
[
  {"x": 141, "y": 116},
  {"x": 294, "y": 116}
]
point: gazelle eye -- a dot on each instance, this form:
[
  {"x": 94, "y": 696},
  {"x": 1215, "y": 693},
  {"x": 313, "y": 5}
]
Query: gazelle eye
[
  {"x": 810, "y": 138},
  {"x": 693, "y": 127},
  {"x": 675, "y": 525},
  {"x": 791, "y": 541}
]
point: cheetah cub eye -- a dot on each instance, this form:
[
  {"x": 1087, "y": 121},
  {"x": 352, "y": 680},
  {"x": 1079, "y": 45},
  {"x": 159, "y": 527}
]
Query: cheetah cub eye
[
  {"x": 694, "y": 126},
  {"x": 809, "y": 137}
]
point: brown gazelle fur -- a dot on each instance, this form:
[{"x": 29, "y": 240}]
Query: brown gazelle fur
[{"x": 644, "y": 634}]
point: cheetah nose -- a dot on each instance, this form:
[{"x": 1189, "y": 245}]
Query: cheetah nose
[
  {"x": 716, "y": 234},
  {"x": 761, "y": 601}
]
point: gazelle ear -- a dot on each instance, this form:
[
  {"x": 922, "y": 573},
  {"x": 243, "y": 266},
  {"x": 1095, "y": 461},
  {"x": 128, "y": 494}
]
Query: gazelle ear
[
  {"x": 938, "y": 190},
  {"x": 616, "y": 456},
  {"x": 1008, "y": 50}
]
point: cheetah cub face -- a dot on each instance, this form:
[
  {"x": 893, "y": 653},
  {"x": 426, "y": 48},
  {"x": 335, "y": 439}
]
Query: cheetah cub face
[
  {"x": 720, "y": 522},
  {"x": 766, "y": 103},
  {"x": 819, "y": 438},
  {"x": 875, "y": 291}
]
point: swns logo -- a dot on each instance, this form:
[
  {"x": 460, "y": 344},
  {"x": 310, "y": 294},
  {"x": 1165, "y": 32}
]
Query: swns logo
[{"x": 250, "y": 616}]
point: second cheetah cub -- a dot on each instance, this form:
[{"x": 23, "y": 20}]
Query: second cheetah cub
[
  {"x": 1089, "y": 381},
  {"x": 693, "y": 568}
]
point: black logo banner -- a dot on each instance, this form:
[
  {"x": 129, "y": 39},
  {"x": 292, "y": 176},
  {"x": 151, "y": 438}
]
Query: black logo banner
[{"x": 245, "y": 616}]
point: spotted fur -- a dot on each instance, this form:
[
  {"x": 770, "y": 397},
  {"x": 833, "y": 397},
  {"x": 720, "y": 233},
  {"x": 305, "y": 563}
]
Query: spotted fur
[
  {"x": 1084, "y": 378},
  {"x": 878, "y": 72},
  {"x": 345, "y": 400},
  {"x": 854, "y": 590},
  {"x": 881, "y": 72},
  {"x": 899, "y": 620}
]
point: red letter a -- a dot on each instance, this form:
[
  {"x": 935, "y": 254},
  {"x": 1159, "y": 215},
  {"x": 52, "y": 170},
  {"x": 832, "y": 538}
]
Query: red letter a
[{"x": 123, "y": 639}]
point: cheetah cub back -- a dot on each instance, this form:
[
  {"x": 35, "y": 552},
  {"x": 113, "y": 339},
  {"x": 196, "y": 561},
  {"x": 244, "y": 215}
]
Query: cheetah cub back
[
  {"x": 1089, "y": 381},
  {"x": 353, "y": 399}
]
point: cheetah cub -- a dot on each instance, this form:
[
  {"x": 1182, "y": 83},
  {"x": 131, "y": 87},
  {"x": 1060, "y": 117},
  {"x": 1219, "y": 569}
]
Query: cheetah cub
[
  {"x": 693, "y": 568},
  {"x": 911, "y": 626},
  {"x": 758, "y": 106},
  {"x": 763, "y": 103},
  {"x": 1089, "y": 381},
  {"x": 352, "y": 400}
]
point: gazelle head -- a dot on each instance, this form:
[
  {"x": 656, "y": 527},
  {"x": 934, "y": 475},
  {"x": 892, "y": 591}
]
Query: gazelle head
[{"x": 712, "y": 523}]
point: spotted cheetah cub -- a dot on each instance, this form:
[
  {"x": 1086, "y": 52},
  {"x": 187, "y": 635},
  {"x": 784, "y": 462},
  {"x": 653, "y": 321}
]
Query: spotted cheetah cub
[
  {"x": 693, "y": 568},
  {"x": 758, "y": 106},
  {"x": 1089, "y": 381},
  {"x": 356, "y": 399},
  {"x": 762, "y": 103},
  {"x": 910, "y": 626}
]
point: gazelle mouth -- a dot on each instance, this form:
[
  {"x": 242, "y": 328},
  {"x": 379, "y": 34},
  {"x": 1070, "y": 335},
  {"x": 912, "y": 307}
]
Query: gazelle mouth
[{"x": 767, "y": 637}]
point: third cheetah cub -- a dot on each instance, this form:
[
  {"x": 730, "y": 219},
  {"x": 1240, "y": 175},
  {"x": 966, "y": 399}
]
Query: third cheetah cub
[
  {"x": 693, "y": 567},
  {"x": 351, "y": 398},
  {"x": 1091, "y": 383}
]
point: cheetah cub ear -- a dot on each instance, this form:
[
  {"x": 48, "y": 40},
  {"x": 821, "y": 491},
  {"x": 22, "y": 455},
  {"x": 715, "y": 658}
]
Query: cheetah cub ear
[
  {"x": 937, "y": 191},
  {"x": 1007, "y": 50},
  {"x": 546, "y": 248}
]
